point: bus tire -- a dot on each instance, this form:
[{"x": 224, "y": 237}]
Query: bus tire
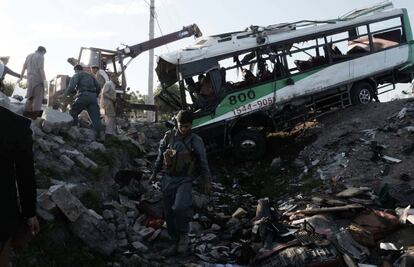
[
  {"x": 362, "y": 93},
  {"x": 249, "y": 145}
]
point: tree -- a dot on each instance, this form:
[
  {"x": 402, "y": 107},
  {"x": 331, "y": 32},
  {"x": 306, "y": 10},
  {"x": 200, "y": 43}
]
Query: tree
[{"x": 162, "y": 106}]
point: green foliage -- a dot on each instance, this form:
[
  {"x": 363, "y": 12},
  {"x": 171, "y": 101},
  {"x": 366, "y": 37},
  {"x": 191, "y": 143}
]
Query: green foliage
[
  {"x": 8, "y": 88},
  {"x": 166, "y": 111},
  {"x": 136, "y": 98}
]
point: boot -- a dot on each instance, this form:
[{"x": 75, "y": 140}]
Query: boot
[
  {"x": 183, "y": 242},
  {"x": 171, "y": 251}
]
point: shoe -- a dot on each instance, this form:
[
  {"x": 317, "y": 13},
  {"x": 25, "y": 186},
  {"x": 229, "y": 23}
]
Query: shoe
[
  {"x": 171, "y": 251},
  {"x": 183, "y": 242}
]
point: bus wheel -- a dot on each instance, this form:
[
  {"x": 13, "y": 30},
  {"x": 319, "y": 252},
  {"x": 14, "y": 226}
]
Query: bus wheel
[
  {"x": 362, "y": 93},
  {"x": 249, "y": 145}
]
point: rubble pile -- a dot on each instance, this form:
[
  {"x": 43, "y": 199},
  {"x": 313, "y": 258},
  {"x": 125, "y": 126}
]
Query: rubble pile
[{"x": 358, "y": 213}]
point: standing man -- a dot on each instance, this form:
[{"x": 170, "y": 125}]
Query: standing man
[
  {"x": 5, "y": 70},
  {"x": 36, "y": 79},
  {"x": 16, "y": 164},
  {"x": 107, "y": 103},
  {"x": 100, "y": 75},
  {"x": 184, "y": 156},
  {"x": 87, "y": 89}
]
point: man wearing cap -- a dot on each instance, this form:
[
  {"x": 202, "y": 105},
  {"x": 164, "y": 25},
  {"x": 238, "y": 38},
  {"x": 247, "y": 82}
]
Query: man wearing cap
[
  {"x": 184, "y": 156},
  {"x": 5, "y": 70},
  {"x": 86, "y": 88},
  {"x": 100, "y": 75},
  {"x": 36, "y": 79}
]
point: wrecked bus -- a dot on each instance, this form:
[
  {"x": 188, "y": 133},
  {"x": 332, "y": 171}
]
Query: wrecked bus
[{"x": 242, "y": 85}]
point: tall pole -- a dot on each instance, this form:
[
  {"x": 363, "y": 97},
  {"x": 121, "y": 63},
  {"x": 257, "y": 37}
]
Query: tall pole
[{"x": 150, "y": 99}]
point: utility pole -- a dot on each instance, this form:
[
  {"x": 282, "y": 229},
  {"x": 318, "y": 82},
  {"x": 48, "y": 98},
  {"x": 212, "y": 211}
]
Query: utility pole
[{"x": 150, "y": 99}]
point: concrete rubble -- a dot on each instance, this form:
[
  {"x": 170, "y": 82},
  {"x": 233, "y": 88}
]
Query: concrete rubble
[{"x": 327, "y": 207}]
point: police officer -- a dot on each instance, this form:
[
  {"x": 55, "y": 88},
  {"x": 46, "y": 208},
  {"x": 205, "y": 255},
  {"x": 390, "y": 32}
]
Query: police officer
[
  {"x": 184, "y": 156},
  {"x": 87, "y": 89}
]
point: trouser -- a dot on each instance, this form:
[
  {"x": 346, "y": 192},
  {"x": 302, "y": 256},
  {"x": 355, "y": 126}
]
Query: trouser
[
  {"x": 110, "y": 125},
  {"x": 35, "y": 96},
  {"x": 4, "y": 253},
  {"x": 177, "y": 209},
  {"x": 86, "y": 101}
]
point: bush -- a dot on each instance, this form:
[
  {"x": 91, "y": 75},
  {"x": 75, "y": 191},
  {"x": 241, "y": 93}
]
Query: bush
[{"x": 8, "y": 88}]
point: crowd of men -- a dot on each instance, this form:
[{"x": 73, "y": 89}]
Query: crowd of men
[{"x": 91, "y": 89}]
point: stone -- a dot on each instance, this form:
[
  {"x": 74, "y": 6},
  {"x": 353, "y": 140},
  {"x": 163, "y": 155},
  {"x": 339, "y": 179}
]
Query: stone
[
  {"x": 67, "y": 203},
  {"x": 54, "y": 120},
  {"x": 45, "y": 215},
  {"x": 67, "y": 161},
  {"x": 44, "y": 202},
  {"x": 131, "y": 214},
  {"x": 88, "y": 134},
  {"x": 94, "y": 214},
  {"x": 195, "y": 228},
  {"x": 215, "y": 227},
  {"x": 95, "y": 233},
  {"x": 146, "y": 231},
  {"x": 43, "y": 144},
  {"x": 112, "y": 226},
  {"x": 140, "y": 246},
  {"x": 239, "y": 213},
  {"x": 122, "y": 243},
  {"x": 58, "y": 139},
  {"x": 74, "y": 133},
  {"x": 276, "y": 163},
  {"x": 121, "y": 235},
  {"x": 209, "y": 237},
  {"x": 155, "y": 235},
  {"x": 97, "y": 146},
  {"x": 108, "y": 214},
  {"x": 200, "y": 201}
]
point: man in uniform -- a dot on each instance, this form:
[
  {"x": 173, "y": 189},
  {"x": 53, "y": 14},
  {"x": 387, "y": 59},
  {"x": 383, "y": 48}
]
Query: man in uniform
[
  {"x": 184, "y": 156},
  {"x": 16, "y": 164},
  {"x": 87, "y": 89},
  {"x": 107, "y": 103},
  {"x": 36, "y": 80}
]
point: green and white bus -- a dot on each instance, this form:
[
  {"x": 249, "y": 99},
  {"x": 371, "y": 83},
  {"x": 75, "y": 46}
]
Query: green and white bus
[{"x": 288, "y": 73}]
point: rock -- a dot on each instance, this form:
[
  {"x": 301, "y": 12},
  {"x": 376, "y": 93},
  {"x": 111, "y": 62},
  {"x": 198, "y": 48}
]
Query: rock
[
  {"x": 239, "y": 213},
  {"x": 88, "y": 134},
  {"x": 96, "y": 146},
  {"x": 54, "y": 120},
  {"x": 95, "y": 233},
  {"x": 140, "y": 246},
  {"x": 122, "y": 243},
  {"x": 209, "y": 237},
  {"x": 215, "y": 227},
  {"x": 43, "y": 144},
  {"x": 108, "y": 214},
  {"x": 45, "y": 215},
  {"x": 199, "y": 201},
  {"x": 146, "y": 231},
  {"x": 276, "y": 163},
  {"x": 86, "y": 162},
  {"x": 74, "y": 133},
  {"x": 67, "y": 203},
  {"x": 195, "y": 228},
  {"x": 155, "y": 235},
  {"x": 44, "y": 202},
  {"x": 57, "y": 139},
  {"x": 94, "y": 214},
  {"x": 67, "y": 161},
  {"x": 121, "y": 235}
]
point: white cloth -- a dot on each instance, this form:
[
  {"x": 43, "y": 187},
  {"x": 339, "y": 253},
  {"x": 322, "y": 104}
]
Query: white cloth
[{"x": 108, "y": 98}]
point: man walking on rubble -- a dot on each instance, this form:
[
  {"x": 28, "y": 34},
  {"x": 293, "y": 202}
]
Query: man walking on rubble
[
  {"x": 87, "y": 89},
  {"x": 184, "y": 156},
  {"x": 107, "y": 103},
  {"x": 36, "y": 80},
  {"x": 17, "y": 181}
]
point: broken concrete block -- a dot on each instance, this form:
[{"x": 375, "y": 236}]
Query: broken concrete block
[
  {"x": 54, "y": 120},
  {"x": 97, "y": 146},
  {"x": 74, "y": 133},
  {"x": 146, "y": 231},
  {"x": 67, "y": 203},
  {"x": 88, "y": 134},
  {"x": 108, "y": 214},
  {"x": 95, "y": 233},
  {"x": 352, "y": 191},
  {"x": 140, "y": 246},
  {"x": 44, "y": 202},
  {"x": 43, "y": 144},
  {"x": 239, "y": 213},
  {"x": 67, "y": 161},
  {"x": 94, "y": 214}
]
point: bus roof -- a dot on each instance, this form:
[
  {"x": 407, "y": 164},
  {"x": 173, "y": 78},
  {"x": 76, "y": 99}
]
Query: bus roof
[{"x": 224, "y": 45}]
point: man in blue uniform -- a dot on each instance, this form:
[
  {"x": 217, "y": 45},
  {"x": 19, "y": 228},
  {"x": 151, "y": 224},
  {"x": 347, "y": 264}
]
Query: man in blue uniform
[
  {"x": 87, "y": 90},
  {"x": 184, "y": 156}
]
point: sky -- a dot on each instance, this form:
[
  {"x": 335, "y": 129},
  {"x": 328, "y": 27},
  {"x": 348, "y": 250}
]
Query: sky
[{"x": 64, "y": 26}]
